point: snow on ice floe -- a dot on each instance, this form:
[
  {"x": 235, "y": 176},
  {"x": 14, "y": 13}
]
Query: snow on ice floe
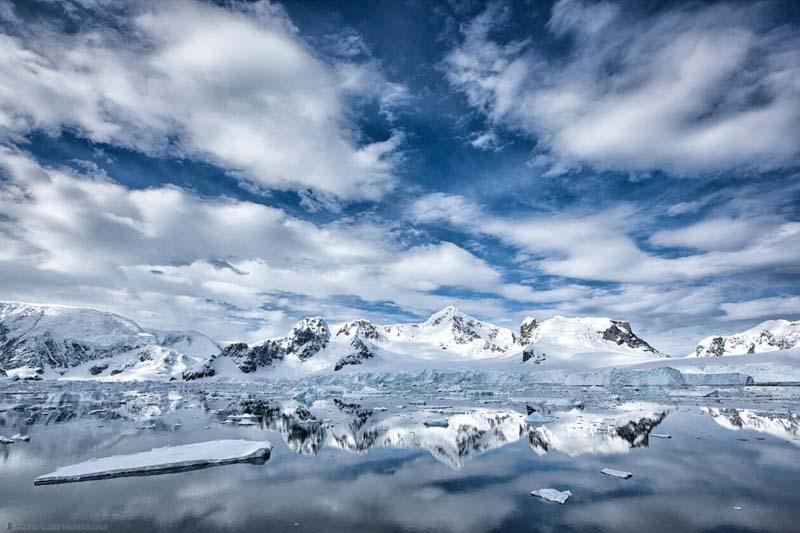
[
  {"x": 17, "y": 437},
  {"x": 617, "y": 473},
  {"x": 162, "y": 460},
  {"x": 552, "y": 495}
]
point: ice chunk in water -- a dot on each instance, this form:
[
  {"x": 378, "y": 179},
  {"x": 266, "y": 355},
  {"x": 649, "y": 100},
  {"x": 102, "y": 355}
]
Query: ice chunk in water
[
  {"x": 537, "y": 418},
  {"x": 552, "y": 495},
  {"x": 617, "y": 473},
  {"x": 162, "y": 460}
]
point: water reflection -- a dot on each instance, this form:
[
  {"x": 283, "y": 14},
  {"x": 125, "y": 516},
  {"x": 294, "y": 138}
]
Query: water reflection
[
  {"x": 396, "y": 472},
  {"x": 781, "y": 425},
  {"x": 452, "y": 436}
]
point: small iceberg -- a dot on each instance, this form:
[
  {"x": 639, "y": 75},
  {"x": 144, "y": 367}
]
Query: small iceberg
[
  {"x": 552, "y": 495},
  {"x": 162, "y": 460},
  {"x": 17, "y": 437},
  {"x": 537, "y": 418},
  {"x": 616, "y": 473},
  {"x": 437, "y": 423}
]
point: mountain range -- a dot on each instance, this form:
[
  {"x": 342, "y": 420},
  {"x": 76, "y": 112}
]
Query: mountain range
[{"x": 59, "y": 341}]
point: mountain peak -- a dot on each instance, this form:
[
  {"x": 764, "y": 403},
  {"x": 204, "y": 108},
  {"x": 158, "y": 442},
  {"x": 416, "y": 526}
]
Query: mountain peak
[{"x": 446, "y": 313}]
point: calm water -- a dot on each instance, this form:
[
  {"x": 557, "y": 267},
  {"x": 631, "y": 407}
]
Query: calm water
[{"x": 343, "y": 463}]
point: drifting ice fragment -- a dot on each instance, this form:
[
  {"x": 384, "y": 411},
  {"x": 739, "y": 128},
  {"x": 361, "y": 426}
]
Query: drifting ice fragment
[
  {"x": 6, "y": 440},
  {"x": 616, "y": 473},
  {"x": 552, "y": 495},
  {"x": 20, "y": 437},
  {"x": 438, "y": 423},
  {"x": 537, "y": 418},
  {"x": 162, "y": 460}
]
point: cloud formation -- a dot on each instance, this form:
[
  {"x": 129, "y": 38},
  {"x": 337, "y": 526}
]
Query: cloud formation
[
  {"x": 601, "y": 246},
  {"x": 687, "y": 89},
  {"x": 79, "y": 237},
  {"x": 236, "y": 86}
]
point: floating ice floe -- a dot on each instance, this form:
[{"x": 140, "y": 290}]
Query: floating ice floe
[
  {"x": 552, "y": 495},
  {"x": 616, "y": 473},
  {"x": 537, "y": 418},
  {"x": 18, "y": 437},
  {"x": 162, "y": 460}
]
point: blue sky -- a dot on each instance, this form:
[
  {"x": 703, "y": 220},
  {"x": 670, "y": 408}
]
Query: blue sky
[{"x": 231, "y": 167}]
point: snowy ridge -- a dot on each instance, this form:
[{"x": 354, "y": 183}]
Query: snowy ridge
[
  {"x": 36, "y": 338},
  {"x": 585, "y": 333},
  {"x": 58, "y": 341},
  {"x": 452, "y": 330},
  {"x": 769, "y": 336}
]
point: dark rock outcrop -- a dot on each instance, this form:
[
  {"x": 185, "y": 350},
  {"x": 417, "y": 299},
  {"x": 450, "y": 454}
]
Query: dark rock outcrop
[
  {"x": 526, "y": 329},
  {"x": 620, "y": 332},
  {"x": 530, "y": 354},
  {"x": 307, "y": 338}
]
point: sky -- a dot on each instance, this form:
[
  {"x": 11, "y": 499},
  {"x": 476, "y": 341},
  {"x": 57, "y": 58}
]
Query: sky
[{"x": 232, "y": 167}]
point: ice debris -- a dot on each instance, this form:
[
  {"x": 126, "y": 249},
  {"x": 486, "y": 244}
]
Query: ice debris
[
  {"x": 552, "y": 495},
  {"x": 616, "y": 473}
]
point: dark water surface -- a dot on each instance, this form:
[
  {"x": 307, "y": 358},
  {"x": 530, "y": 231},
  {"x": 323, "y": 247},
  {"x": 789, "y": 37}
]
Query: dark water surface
[{"x": 340, "y": 464}]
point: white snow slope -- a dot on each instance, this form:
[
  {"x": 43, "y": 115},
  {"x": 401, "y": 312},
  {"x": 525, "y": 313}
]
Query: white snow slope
[
  {"x": 449, "y": 339},
  {"x": 79, "y": 342},
  {"x": 769, "y": 336},
  {"x": 72, "y": 343}
]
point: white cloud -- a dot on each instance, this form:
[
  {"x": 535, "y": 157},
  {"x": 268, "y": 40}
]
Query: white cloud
[
  {"x": 715, "y": 233},
  {"x": 763, "y": 308},
  {"x": 172, "y": 259},
  {"x": 696, "y": 88},
  {"x": 236, "y": 86},
  {"x": 600, "y": 246}
]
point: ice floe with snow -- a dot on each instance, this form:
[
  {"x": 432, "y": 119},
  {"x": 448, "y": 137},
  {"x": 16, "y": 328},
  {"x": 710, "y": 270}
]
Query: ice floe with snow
[
  {"x": 552, "y": 495},
  {"x": 162, "y": 460}
]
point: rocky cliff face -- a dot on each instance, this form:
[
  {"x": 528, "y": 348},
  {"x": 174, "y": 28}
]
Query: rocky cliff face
[
  {"x": 526, "y": 330},
  {"x": 307, "y": 338},
  {"x": 620, "y": 333},
  {"x": 362, "y": 335}
]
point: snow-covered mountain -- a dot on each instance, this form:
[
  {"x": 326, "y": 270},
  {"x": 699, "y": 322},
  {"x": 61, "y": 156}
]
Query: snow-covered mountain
[
  {"x": 81, "y": 343},
  {"x": 449, "y": 338},
  {"x": 456, "y": 332},
  {"x": 769, "y": 336},
  {"x": 590, "y": 333},
  {"x": 39, "y": 338}
]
